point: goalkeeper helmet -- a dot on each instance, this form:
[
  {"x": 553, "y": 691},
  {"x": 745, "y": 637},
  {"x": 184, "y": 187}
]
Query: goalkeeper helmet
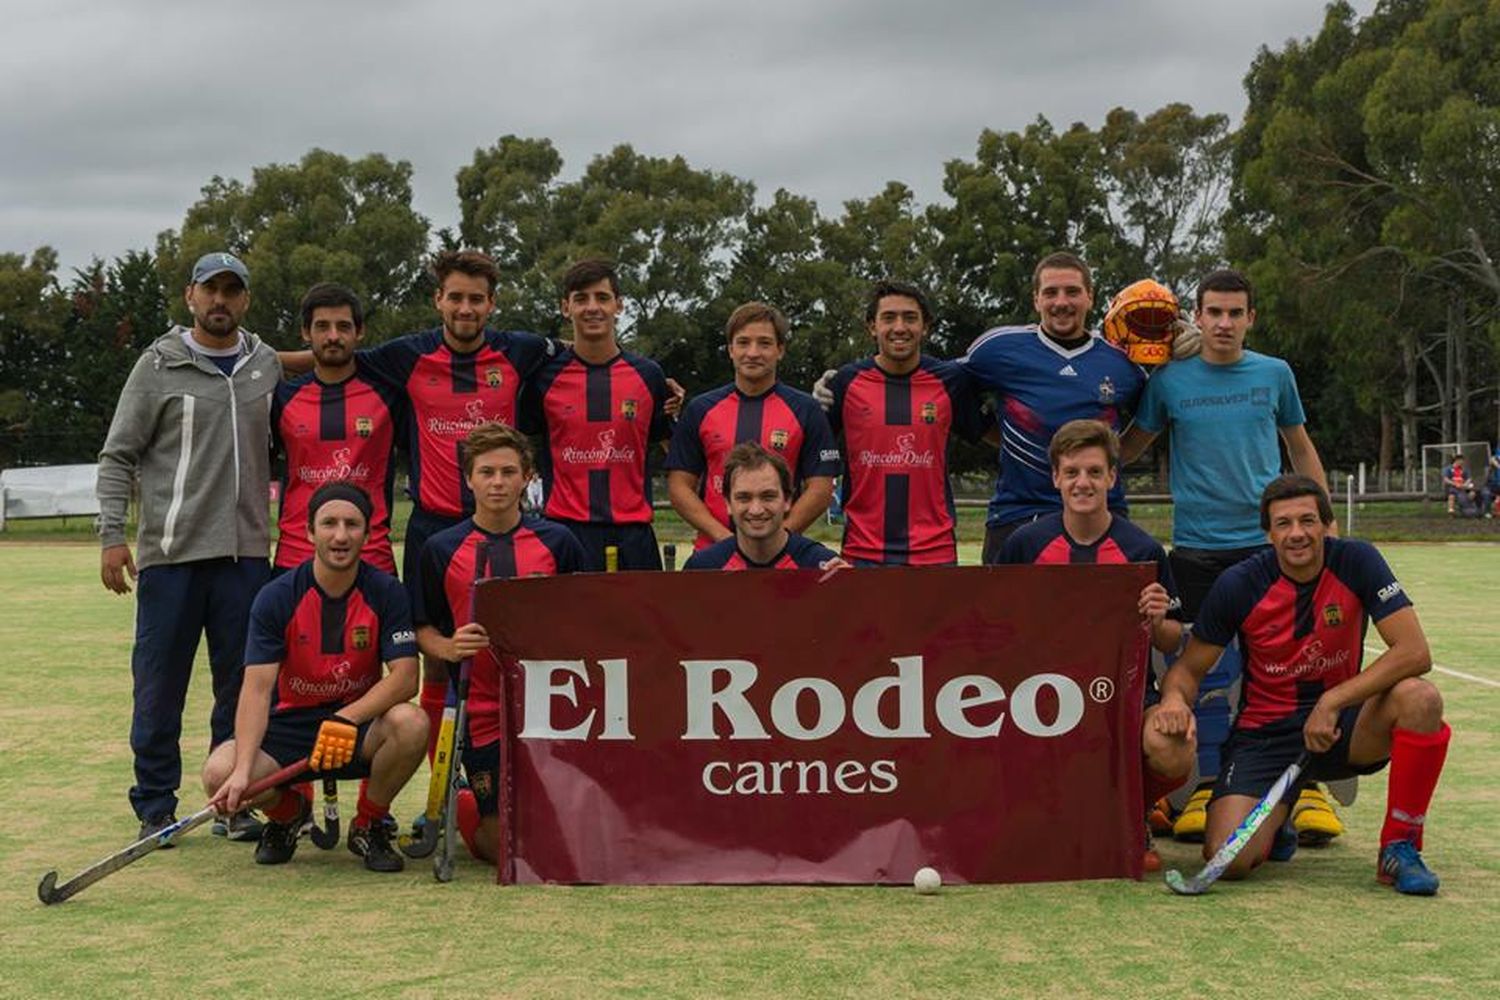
[{"x": 1141, "y": 322}]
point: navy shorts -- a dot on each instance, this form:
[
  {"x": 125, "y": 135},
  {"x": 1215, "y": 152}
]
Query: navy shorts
[
  {"x": 482, "y": 769},
  {"x": 419, "y": 527},
  {"x": 291, "y": 733},
  {"x": 636, "y": 544},
  {"x": 1254, "y": 758}
]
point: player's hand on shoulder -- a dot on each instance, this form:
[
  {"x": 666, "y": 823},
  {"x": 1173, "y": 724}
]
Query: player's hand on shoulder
[
  {"x": 676, "y": 396},
  {"x": 1153, "y": 602},
  {"x": 837, "y": 562},
  {"x": 822, "y": 389},
  {"x": 1321, "y": 731},
  {"x": 115, "y": 564},
  {"x": 1187, "y": 340}
]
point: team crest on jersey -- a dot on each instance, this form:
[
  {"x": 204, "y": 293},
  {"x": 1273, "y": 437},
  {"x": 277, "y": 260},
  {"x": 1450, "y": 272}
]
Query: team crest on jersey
[
  {"x": 493, "y": 377},
  {"x": 779, "y": 439},
  {"x": 359, "y": 637},
  {"x": 1333, "y": 615},
  {"x": 364, "y": 426},
  {"x": 627, "y": 409},
  {"x": 1106, "y": 390},
  {"x": 929, "y": 413}
]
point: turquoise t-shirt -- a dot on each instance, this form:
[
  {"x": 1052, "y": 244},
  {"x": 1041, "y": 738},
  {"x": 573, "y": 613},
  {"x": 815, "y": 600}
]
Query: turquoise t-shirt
[{"x": 1223, "y": 421}]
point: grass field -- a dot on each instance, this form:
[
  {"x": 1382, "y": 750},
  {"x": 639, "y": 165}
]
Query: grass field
[{"x": 204, "y": 920}]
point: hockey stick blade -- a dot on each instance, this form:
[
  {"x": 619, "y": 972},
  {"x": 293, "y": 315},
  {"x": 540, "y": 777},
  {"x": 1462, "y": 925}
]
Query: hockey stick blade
[
  {"x": 49, "y": 892},
  {"x": 1225, "y": 855},
  {"x": 326, "y": 837}
]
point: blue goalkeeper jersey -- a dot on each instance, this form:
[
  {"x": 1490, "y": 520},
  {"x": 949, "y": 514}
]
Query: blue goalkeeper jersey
[{"x": 1039, "y": 386}]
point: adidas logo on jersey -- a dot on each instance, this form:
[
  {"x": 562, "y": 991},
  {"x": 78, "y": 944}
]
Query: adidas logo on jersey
[{"x": 1067, "y": 370}]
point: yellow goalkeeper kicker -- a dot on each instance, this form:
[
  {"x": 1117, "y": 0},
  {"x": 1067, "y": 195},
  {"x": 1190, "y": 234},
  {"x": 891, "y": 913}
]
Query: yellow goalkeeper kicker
[{"x": 437, "y": 788}]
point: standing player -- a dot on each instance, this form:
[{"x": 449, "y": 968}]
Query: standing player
[
  {"x": 758, "y": 493},
  {"x": 754, "y": 407},
  {"x": 1044, "y": 376},
  {"x": 1301, "y": 610},
  {"x": 318, "y": 636},
  {"x": 190, "y": 432},
  {"x": 454, "y": 378},
  {"x": 1224, "y": 410},
  {"x": 895, "y": 411},
  {"x": 1085, "y": 456},
  {"x": 497, "y": 541},
  {"x": 335, "y": 424},
  {"x": 601, "y": 409}
]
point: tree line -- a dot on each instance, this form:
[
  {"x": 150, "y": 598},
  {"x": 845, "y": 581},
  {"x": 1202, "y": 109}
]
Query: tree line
[{"x": 1361, "y": 193}]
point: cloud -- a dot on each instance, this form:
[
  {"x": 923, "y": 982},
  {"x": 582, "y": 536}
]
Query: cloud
[{"x": 116, "y": 115}]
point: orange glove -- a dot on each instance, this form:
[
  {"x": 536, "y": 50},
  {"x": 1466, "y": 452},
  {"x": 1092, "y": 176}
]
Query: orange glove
[{"x": 335, "y": 744}]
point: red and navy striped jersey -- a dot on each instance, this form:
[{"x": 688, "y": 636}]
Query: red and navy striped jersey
[
  {"x": 800, "y": 552},
  {"x": 1040, "y": 386},
  {"x": 457, "y": 557},
  {"x": 782, "y": 419},
  {"x": 599, "y": 422},
  {"x": 331, "y": 433},
  {"x": 330, "y": 649},
  {"x": 448, "y": 395},
  {"x": 898, "y": 506},
  {"x": 1298, "y": 639}
]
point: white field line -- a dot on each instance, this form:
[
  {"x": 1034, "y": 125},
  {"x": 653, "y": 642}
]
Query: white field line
[{"x": 1449, "y": 671}]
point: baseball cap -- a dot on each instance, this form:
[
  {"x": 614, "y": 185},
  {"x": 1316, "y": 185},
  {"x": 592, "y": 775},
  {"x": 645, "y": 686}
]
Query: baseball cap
[{"x": 211, "y": 264}]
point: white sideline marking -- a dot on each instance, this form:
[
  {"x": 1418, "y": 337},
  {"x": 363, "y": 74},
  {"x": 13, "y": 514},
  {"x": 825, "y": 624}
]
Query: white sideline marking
[{"x": 1445, "y": 670}]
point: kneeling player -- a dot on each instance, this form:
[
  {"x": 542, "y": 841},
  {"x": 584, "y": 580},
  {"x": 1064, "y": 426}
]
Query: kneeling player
[
  {"x": 318, "y": 636},
  {"x": 758, "y": 492},
  {"x": 1301, "y": 611},
  {"x": 1085, "y": 464},
  {"x": 497, "y": 541}
]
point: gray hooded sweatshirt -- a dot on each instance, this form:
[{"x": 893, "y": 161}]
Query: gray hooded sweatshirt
[{"x": 198, "y": 443}]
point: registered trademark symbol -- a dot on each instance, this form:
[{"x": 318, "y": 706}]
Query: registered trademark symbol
[{"x": 1102, "y": 689}]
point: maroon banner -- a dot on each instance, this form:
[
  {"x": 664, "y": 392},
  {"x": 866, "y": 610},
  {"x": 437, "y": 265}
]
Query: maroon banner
[{"x": 782, "y": 727}]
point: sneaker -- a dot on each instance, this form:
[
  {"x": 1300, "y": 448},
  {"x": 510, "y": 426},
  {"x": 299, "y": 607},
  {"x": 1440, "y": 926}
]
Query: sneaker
[
  {"x": 1193, "y": 820},
  {"x": 278, "y": 841},
  {"x": 1401, "y": 865},
  {"x": 1160, "y": 817},
  {"x": 392, "y": 826},
  {"x": 1150, "y": 860},
  {"x": 1284, "y": 845},
  {"x": 156, "y": 824},
  {"x": 1314, "y": 818},
  {"x": 243, "y": 825},
  {"x": 373, "y": 843}
]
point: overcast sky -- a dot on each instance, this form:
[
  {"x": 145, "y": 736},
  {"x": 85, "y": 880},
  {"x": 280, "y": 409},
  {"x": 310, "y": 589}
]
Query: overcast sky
[{"x": 115, "y": 114}]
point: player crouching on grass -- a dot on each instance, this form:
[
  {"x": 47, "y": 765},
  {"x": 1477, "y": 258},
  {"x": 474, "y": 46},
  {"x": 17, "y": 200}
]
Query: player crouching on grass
[
  {"x": 496, "y": 541},
  {"x": 318, "y": 635},
  {"x": 1085, "y": 458},
  {"x": 1301, "y": 610},
  {"x": 758, "y": 492}
]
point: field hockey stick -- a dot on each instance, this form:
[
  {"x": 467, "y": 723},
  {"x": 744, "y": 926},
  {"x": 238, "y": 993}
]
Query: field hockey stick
[
  {"x": 49, "y": 892},
  {"x": 442, "y": 865},
  {"x": 327, "y": 835},
  {"x": 1224, "y": 857},
  {"x": 422, "y": 841},
  {"x": 611, "y": 558},
  {"x": 669, "y": 555}
]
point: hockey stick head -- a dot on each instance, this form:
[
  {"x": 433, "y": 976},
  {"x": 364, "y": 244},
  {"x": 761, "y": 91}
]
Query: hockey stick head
[
  {"x": 1182, "y": 885},
  {"x": 422, "y": 841},
  {"x": 46, "y": 889}
]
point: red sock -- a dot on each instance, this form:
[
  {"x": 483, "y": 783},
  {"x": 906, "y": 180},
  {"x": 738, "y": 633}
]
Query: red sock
[
  {"x": 1154, "y": 785},
  {"x": 434, "y": 697},
  {"x": 468, "y": 819},
  {"x": 288, "y": 805},
  {"x": 1416, "y": 761},
  {"x": 370, "y": 812}
]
